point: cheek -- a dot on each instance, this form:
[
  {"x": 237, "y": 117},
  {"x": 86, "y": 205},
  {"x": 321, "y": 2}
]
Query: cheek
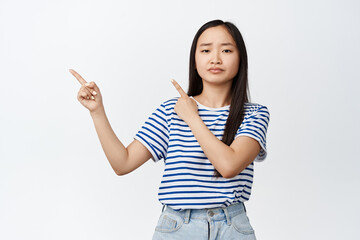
[
  {"x": 199, "y": 63},
  {"x": 235, "y": 63}
]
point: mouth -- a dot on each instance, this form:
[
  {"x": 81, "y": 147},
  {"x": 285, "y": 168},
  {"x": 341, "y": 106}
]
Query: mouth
[{"x": 215, "y": 70}]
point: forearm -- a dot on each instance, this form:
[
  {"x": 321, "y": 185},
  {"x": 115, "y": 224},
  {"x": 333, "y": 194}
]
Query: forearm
[
  {"x": 114, "y": 150},
  {"x": 218, "y": 153}
]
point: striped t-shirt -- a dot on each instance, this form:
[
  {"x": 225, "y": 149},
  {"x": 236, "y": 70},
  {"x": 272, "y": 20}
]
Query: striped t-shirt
[{"x": 187, "y": 181}]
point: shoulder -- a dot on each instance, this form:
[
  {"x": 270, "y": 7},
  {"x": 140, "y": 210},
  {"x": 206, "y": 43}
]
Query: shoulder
[
  {"x": 166, "y": 107},
  {"x": 256, "y": 109},
  {"x": 169, "y": 103}
]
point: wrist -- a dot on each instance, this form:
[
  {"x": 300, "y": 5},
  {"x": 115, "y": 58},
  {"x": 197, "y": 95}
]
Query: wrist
[
  {"x": 193, "y": 120},
  {"x": 97, "y": 112}
]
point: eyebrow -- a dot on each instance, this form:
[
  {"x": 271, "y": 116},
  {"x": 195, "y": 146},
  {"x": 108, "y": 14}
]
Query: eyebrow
[{"x": 223, "y": 44}]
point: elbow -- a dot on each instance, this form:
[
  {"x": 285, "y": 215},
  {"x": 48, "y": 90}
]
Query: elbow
[
  {"x": 120, "y": 173},
  {"x": 235, "y": 168},
  {"x": 119, "y": 169},
  {"x": 229, "y": 168},
  {"x": 232, "y": 171},
  {"x": 226, "y": 172},
  {"x": 229, "y": 175}
]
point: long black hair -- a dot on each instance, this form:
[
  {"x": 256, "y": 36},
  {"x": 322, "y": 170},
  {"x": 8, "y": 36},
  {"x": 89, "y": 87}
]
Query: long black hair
[{"x": 239, "y": 87}]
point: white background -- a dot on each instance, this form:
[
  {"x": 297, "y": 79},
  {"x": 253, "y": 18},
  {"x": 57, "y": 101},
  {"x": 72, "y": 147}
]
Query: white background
[{"x": 55, "y": 181}]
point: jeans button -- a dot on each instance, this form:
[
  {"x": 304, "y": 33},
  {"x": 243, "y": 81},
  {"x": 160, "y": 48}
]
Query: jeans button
[{"x": 211, "y": 213}]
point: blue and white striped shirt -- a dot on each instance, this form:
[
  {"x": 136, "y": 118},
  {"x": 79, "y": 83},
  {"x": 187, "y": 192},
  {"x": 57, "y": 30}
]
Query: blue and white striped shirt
[{"x": 188, "y": 181}]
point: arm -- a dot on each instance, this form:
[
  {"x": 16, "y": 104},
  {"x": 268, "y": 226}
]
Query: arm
[
  {"x": 122, "y": 160},
  {"x": 228, "y": 160}
]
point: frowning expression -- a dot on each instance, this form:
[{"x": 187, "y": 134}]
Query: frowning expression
[{"x": 216, "y": 56}]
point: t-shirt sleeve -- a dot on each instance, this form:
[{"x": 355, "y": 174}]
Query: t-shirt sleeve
[
  {"x": 154, "y": 133},
  {"x": 255, "y": 126}
]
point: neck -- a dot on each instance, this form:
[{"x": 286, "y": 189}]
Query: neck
[{"x": 215, "y": 96}]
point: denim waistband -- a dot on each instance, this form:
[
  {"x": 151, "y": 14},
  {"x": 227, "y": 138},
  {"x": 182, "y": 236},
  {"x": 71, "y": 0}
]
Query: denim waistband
[{"x": 219, "y": 213}]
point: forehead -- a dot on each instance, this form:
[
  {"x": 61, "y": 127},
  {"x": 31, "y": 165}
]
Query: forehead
[{"x": 215, "y": 35}]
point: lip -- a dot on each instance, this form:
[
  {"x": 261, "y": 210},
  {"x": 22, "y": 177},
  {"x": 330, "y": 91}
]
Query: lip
[{"x": 215, "y": 70}]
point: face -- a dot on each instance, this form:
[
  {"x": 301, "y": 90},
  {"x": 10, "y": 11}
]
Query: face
[{"x": 217, "y": 49}]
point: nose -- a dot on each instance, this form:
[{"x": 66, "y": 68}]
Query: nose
[{"x": 215, "y": 58}]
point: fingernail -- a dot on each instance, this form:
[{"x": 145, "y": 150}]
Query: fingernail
[{"x": 94, "y": 92}]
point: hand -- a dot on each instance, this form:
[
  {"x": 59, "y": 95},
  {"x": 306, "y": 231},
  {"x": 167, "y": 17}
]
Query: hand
[
  {"x": 89, "y": 94},
  {"x": 186, "y": 107}
]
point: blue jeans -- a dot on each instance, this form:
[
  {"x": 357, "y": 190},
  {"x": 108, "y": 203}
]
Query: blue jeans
[{"x": 224, "y": 223}]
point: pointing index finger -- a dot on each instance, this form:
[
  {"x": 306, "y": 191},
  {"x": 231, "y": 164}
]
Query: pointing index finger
[
  {"x": 77, "y": 76},
  {"x": 180, "y": 90}
]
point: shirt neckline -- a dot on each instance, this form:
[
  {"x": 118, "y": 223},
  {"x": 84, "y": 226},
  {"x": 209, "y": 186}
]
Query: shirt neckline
[{"x": 210, "y": 108}]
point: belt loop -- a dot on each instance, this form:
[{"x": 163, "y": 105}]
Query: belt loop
[
  {"x": 227, "y": 216},
  {"x": 187, "y": 215},
  {"x": 163, "y": 208}
]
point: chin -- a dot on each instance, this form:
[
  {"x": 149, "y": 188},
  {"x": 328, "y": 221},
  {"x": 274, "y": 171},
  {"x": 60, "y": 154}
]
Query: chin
[
  {"x": 213, "y": 77},
  {"x": 215, "y": 80}
]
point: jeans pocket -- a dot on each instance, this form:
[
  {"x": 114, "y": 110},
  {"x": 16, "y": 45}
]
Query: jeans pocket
[
  {"x": 242, "y": 224},
  {"x": 169, "y": 223}
]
